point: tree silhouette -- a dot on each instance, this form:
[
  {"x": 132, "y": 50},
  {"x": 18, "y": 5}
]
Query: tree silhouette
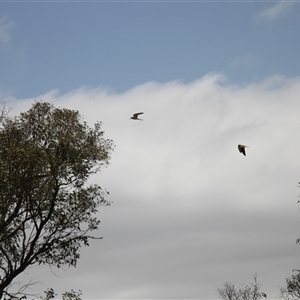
[
  {"x": 248, "y": 292},
  {"x": 292, "y": 288}
]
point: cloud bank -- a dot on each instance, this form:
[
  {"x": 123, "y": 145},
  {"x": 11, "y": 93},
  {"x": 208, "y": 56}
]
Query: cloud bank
[{"x": 189, "y": 211}]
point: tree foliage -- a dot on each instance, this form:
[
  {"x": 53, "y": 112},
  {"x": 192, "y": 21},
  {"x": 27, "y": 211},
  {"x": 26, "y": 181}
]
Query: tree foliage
[
  {"x": 47, "y": 208},
  {"x": 248, "y": 292},
  {"x": 292, "y": 288},
  {"x": 71, "y": 295}
]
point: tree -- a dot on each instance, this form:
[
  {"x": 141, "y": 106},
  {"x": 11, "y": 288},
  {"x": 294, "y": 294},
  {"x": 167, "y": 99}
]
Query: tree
[
  {"x": 72, "y": 295},
  {"x": 47, "y": 208},
  {"x": 292, "y": 288},
  {"x": 248, "y": 292}
]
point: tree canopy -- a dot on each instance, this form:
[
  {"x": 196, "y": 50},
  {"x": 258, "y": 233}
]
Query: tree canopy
[
  {"x": 48, "y": 209},
  {"x": 250, "y": 292},
  {"x": 292, "y": 288}
]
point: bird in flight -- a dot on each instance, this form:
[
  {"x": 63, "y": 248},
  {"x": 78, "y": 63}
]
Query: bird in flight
[
  {"x": 242, "y": 149},
  {"x": 264, "y": 295},
  {"x": 136, "y": 116}
]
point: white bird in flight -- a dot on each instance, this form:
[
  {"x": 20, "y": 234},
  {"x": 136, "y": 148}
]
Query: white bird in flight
[
  {"x": 136, "y": 115},
  {"x": 242, "y": 149}
]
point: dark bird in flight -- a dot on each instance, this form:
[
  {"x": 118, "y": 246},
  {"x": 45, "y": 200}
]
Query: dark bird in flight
[
  {"x": 242, "y": 149},
  {"x": 136, "y": 116},
  {"x": 264, "y": 295}
]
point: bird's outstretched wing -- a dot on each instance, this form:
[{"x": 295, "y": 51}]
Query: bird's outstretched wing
[{"x": 137, "y": 114}]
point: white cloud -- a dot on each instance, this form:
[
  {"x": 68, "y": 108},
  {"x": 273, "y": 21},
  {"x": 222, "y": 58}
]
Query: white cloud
[
  {"x": 275, "y": 11},
  {"x": 190, "y": 212},
  {"x": 6, "y": 26}
]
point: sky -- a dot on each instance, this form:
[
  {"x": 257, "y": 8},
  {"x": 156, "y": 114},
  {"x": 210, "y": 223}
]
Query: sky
[{"x": 189, "y": 211}]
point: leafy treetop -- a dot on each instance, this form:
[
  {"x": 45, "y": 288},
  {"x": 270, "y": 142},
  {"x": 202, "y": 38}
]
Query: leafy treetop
[{"x": 47, "y": 209}]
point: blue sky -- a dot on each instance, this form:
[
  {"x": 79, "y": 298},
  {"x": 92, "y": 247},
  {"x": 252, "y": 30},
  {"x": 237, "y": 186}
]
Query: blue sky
[
  {"x": 119, "y": 45},
  {"x": 189, "y": 211}
]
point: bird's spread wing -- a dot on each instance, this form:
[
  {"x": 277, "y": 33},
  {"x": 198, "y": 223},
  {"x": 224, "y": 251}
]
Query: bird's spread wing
[{"x": 137, "y": 114}]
